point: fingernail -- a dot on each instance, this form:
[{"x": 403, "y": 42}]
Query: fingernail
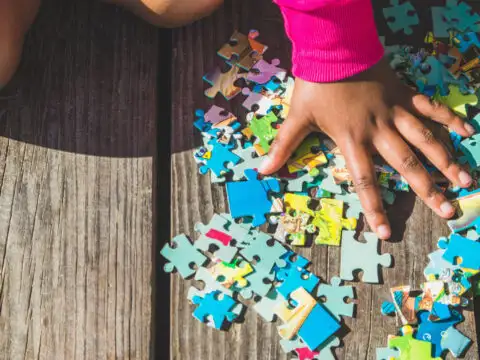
[
  {"x": 470, "y": 129},
  {"x": 447, "y": 208},
  {"x": 383, "y": 231},
  {"x": 265, "y": 165},
  {"x": 465, "y": 178}
]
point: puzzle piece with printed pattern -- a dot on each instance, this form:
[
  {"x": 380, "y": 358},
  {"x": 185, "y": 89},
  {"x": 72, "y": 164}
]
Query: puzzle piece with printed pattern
[
  {"x": 209, "y": 285},
  {"x": 213, "y": 156},
  {"x": 295, "y": 278},
  {"x": 465, "y": 41},
  {"x": 256, "y": 102},
  {"x": 243, "y": 50},
  {"x": 303, "y": 320},
  {"x": 432, "y": 331},
  {"x": 182, "y": 255},
  {"x": 294, "y": 226},
  {"x": 434, "y": 74},
  {"x": 463, "y": 250},
  {"x": 263, "y": 71},
  {"x": 401, "y": 16},
  {"x": 358, "y": 255},
  {"x": 264, "y": 129},
  {"x": 223, "y": 82},
  {"x": 336, "y": 297},
  {"x": 217, "y": 305},
  {"x": 409, "y": 347},
  {"x": 230, "y": 274},
  {"x": 469, "y": 209},
  {"x": 209, "y": 129},
  {"x": 307, "y": 156},
  {"x": 258, "y": 204}
]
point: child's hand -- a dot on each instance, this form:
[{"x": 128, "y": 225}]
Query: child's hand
[{"x": 374, "y": 112}]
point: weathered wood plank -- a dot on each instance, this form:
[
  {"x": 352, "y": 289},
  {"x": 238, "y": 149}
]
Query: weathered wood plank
[
  {"x": 76, "y": 175},
  {"x": 195, "y": 199}
]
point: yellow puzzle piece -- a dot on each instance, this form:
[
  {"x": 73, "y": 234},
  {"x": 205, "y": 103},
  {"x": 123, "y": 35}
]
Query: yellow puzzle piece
[
  {"x": 227, "y": 275},
  {"x": 304, "y": 159},
  {"x": 456, "y": 100}
]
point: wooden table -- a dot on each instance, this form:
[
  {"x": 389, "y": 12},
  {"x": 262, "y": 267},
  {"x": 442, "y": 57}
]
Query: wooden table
[
  {"x": 195, "y": 199},
  {"x": 77, "y": 152}
]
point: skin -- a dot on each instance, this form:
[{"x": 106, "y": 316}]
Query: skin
[
  {"x": 370, "y": 112},
  {"x": 374, "y": 112}
]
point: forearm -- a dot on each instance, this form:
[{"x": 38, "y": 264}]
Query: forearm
[{"x": 331, "y": 39}]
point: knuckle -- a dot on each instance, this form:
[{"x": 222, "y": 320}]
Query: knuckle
[
  {"x": 363, "y": 183},
  {"x": 427, "y": 136},
  {"x": 410, "y": 163}
]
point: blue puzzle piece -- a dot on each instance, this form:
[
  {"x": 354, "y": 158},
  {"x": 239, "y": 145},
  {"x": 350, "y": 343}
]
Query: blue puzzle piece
[
  {"x": 250, "y": 198},
  {"x": 299, "y": 263},
  {"x": 216, "y": 158},
  {"x": 432, "y": 331},
  {"x": 182, "y": 255},
  {"x": 318, "y": 327},
  {"x": 217, "y": 305},
  {"x": 465, "y": 41},
  {"x": 294, "y": 278},
  {"x": 459, "y": 247},
  {"x": 441, "y": 311},
  {"x": 454, "y": 341}
]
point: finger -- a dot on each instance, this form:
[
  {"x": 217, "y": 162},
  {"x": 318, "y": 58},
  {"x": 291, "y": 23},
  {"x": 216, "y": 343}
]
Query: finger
[
  {"x": 442, "y": 114},
  {"x": 361, "y": 167},
  {"x": 399, "y": 155},
  {"x": 291, "y": 133},
  {"x": 417, "y": 134}
]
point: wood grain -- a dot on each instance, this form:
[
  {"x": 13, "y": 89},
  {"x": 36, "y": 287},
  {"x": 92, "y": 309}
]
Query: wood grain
[
  {"x": 76, "y": 174},
  {"x": 195, "y": 199}
]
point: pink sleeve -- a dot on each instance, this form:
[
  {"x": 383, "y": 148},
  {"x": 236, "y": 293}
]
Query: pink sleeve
[{"x": 331, "y": 39}]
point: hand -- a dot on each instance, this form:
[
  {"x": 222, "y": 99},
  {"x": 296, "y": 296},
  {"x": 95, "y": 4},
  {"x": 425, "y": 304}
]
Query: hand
[{"x": 374, "y": 111}]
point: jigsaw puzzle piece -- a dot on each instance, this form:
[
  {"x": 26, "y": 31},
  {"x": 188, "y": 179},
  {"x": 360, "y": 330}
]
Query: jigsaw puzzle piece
[
  {"x": 463, "y": 250},
  {"x": 294, "y": 226},
  {"x": 295, "y": 278},
  {"x": 256, "y": 102},
  {"x": 267, "y": 303},
  {"x": 433, "y": 331},
  {"x": 242, "y": 50},
  {"x": 409, "y": 347},
  {"x": 471, "y": 148},
  {"x": 354, "y": 206},
  {"x": 440, "y": 24},
  {"x": 454, "y": 341},
  {"x": 230, "y": 274},
  {"x": 259, "y": 282},
  {"x": 182, "y": 256},
  {"x": 307, "y": 156},
  {"x": 469, "y": 206},
  {"x": 336, "y": 297},
  {"x": 209, "y": 285},
  {"x": 214, "y": 156},
  {"x": 304, "y": 319},
  {"x": 401, "y": 17},
  {"x": 250, "y": 161},
  {"x": 292, "y": 261},
  {"x": 387, "y": 354},
  {"x": 325, "y": 352},
  {"x": 357, "y": 255},
  {"x": 459, "y": 14},
  {"x": 264, "y": 129},
  {"x": 263, "y": 71},
  {"x": 216, "y": 305},
  {"x": 258, "y": 204},
  {"x": 223, "y": 82},
  {"x": 267, "y": 252}
]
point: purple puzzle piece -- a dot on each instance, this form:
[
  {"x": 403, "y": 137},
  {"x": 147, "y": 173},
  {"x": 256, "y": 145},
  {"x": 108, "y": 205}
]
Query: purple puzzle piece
[
  {"x": 217, "y": 114},
  {"x": 263, "y": 71},
  {"x": 262, "y": 102}
]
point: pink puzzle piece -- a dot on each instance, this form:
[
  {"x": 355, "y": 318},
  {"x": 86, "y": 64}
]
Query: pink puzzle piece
[
  {"x": 306, "y": 354},
  {"x": 217, "y": 114},
  {"x": 263, "y": 71},
  {"x": 220, "y": 236}
]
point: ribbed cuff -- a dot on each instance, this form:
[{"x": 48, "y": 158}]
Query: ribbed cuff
[{"x": 331, "y": 42}]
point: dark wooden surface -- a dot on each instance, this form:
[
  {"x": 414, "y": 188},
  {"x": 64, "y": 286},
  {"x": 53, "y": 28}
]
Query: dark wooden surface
[
  {"x": 194, "y": 199},
  {"x": 76, "y": 175}
]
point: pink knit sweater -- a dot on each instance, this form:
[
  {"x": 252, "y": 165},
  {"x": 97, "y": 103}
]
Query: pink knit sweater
[{"x": 331, "y": 39}]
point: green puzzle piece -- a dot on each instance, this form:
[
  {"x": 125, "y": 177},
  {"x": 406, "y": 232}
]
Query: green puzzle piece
[
  {"x": 263, "y": 129},
  {"x": 410, "y": 348}
]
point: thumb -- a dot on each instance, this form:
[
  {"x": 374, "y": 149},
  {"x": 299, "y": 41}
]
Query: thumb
[{"x": 291, "y": 133}]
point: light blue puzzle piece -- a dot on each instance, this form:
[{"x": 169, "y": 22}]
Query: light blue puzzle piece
[
  {"x": 267, "y": 303},
  {"x": 217, "y": 305},
  {"x": 259, "y": 283},
  {"x": 336, "y": 295},
  {"x": 402, "y": 17},
  {"x": 460, "y": 247},
  {"x": 182, "y": 255},
  {"x": 454, "y": 341},
  {"x": 471, "y": 148},
  {"x": 267, "y": 254}
]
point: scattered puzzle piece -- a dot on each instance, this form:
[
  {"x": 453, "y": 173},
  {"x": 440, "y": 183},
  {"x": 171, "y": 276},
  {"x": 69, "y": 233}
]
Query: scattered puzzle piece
[
  {"x": 256, "y": 102},
  {"x": 182, "y": 255},
  {"x": 214, "y": 157},
  {"x": 401, "y": 16},
  {"x": 264, "y": 129},
  {"x": 268, "y": 253},
  {"x": 409, "y": 347},
  {"x": 267, "y": 303},
  {"x": 217, "y": 305},
  {"x": 257, "y": 205},
  {"x": 459, "y": 250},
  {"x": 242, "y": 50},
  {"x": 295, "y": 278},
  {"x": 263, "y": 71},
  {"x": 209, "y": 285},
  {"x": 231, "y": 274},
  {"x": 259, "y": 282},
  {"x": 336, "y": 297},
  {"x": 358, "y": 255},
  {"x": 223, "y": 82},
  {"x": 307, "y": 157}
]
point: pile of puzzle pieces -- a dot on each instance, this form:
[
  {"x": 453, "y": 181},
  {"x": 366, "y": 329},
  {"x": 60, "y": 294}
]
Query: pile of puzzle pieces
[{"x": 312, "y": 200}]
